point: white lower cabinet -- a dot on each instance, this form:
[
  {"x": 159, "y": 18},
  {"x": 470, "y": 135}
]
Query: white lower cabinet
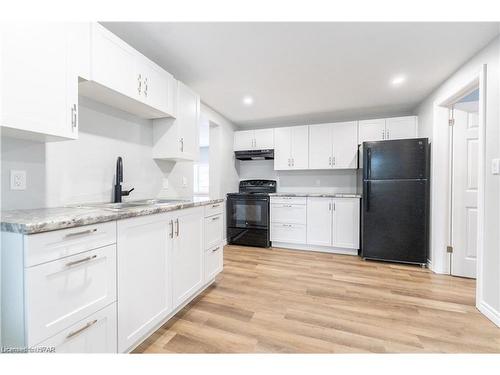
[
  {"x": 325, "y": 224},
  {"x": 94, "y": 334},
  {"x": 214, "y": 260},
  {"x": 144, "y": 266},
  {"x": 187, "y": 254}
]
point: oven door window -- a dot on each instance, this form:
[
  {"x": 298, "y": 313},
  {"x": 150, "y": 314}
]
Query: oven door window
[{"x": 246, "y": 213}]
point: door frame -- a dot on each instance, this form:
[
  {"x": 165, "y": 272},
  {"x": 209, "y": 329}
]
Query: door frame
[{"x": 477, "y": 79}]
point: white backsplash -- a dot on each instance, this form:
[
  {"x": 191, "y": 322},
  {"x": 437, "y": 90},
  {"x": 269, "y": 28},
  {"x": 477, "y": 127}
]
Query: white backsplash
[{"x": 311, "y": 181}]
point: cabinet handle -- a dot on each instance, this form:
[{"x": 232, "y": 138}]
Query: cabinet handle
[
  {"x": 139, "y": 84},
  {"x": 215, "y": 218},
  {"x": 333, "y": 161},
  {"x": 383, "y": 134},
  {"x": 146, "y": 86},
  {"x": 293, "y": 162},
  {"x": 387, "y": 134},
  {"x": 74, "y": 117},
  {"x": 334, "y": 206},
  {"x": 330, "y": 206},
  {"x": 88, "y": 231},
  {"x": 89, "y": 258},
  {"x": 171, "y": 235},
  {"x": 86, "y": 326},
  {"x": 330, "y": 160},
  {"x": 177, "y": 227},
  {"x": 214, "y": 250},
  {"x": 182, "y": 144},
  {"x": 215, "y": 205}
]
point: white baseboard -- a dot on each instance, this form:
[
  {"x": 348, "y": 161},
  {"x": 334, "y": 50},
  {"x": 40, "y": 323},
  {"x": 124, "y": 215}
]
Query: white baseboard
[
  {"x": 489, "y": 312},
  {"x": 322, "y": 249}
]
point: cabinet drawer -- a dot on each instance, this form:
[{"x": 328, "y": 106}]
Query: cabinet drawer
[
  {"x": 213, "y": 231},
  {"x": 214, "y": 209},
  {"x": 288, "y": 213},
  {"x": 213, "y": 262},
  {"x": 291, "y": 233},
  {"x": 289, "y": 200},
  {"x": 94, "y": 334},
  {"x": 63, "y": 292},
  {"x": 49, "y": 246}
]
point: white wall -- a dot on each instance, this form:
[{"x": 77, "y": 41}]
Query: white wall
[
  {"x": 432, "y": 124},
  {"x": 317, "y": 181},
  {"x": 83, "y": 170}
]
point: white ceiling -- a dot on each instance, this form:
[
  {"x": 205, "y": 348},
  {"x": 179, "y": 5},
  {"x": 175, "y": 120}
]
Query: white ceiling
[{"x": 308, "y": 72}]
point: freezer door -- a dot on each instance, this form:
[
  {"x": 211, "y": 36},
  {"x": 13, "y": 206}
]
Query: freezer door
[
  {"x": 398, "y": 159},
  {"x": 394, "y": 220}
]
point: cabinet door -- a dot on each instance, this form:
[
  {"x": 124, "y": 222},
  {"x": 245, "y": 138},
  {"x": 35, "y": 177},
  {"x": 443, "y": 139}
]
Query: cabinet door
[
  {"x": 187, "y": 259},
  {"x": 320, "y": 146},
  {"x": 35, "y": 79},
  {"x": 155, "y": 84},
  {"x": 401, "y": 127},
  {"x": 300, "y": 147},
  {"x": 243, "y": 140},
  {"x": 319, "y": 221},
  {"x": 114, "y": 63},
  {"x": 346, "y": 223},
  {"x": 188, "y": 115},
  {"x": 94, "y": 334},
  {"x": 264, "y": 139},
  {"x": 282, "y": 148},
  {"x": 371, "y": 130},
  {"x": 345, "y": 145},
  {"x": 144, "y": 286}
]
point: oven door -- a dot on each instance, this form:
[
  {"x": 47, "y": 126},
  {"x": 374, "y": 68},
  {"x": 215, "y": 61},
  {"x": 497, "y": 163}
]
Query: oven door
[{"x": 248, "y": 211}]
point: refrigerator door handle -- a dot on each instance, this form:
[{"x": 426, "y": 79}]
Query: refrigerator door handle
[
  {"x": 367, "y": 196},
  {"x": 367, "y": 163}
]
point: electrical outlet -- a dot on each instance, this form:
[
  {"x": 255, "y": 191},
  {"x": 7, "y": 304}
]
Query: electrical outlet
[
  {"x": 184, "y": 181},
  {"x": 17, "y": 180},
  {"x": 165, "y": 183},
  {"x": 495, "y": 166}
]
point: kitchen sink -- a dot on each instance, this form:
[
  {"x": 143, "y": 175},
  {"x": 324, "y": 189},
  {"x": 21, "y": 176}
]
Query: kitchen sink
[{"x": 132, "y": 204}]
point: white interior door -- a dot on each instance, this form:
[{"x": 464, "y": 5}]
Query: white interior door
[{"x": 464, "y": 193}]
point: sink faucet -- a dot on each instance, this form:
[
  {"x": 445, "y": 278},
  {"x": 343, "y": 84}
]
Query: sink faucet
[{"x": 119, "y": 179}]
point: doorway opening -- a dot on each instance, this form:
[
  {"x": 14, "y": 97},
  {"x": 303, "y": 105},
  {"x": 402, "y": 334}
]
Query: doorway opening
[{"x": 201, "y": 167}]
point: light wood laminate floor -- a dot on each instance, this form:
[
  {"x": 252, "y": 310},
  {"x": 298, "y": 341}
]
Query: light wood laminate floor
[{"x": 285, "y": 301}]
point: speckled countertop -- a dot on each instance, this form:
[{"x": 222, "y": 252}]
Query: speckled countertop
[
  {"x": 48, "y": 219},
  {"x": 321, "y": 195}
]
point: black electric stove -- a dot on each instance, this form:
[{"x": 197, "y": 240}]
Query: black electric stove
[{"x": 248, "y": 213}]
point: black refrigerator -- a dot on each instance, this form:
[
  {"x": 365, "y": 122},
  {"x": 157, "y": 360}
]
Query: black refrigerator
[{"x": 395, "y": 210}]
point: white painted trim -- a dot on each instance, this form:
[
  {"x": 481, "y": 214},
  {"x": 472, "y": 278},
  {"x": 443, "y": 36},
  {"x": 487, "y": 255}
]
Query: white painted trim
[
  {"x": 322, "y": 249},
  {"x": 489, "y": 312},
  {"x": 481, "y": 185}
]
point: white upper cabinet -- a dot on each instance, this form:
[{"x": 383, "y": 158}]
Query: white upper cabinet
[
  {"x": 260, "y": 139},
  {"x": 401, "y": 127},
  {"x": 178, "y": 139},
  {"x": 387, "y": 129},
  {"x": 371, "y": 130},
  {"x": 40, "y": 68},
  {"x": 291, "y": 148},
  {"x": 333, "y": 146},
  {"x": 123, "y": 78}
]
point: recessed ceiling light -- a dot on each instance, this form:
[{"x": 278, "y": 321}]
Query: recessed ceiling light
[
  {"x": 247, "y": 100},
  {"x": 398, "y": 80}
]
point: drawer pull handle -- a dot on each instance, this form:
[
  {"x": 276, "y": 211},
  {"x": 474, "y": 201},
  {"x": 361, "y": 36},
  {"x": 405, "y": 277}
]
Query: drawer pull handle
[
  {"x": 214, "y": 250},
  {"x": 89, "y": 231},
  {"x": 215, "y": 205},
  {"x": 81, "y": 261},
  {"x": 86, "y": 326},
  {"x": 215, "y": 218}
]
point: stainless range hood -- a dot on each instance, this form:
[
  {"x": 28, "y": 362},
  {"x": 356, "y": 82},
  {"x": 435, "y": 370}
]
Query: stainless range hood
[{"x": 254, "y": 155}]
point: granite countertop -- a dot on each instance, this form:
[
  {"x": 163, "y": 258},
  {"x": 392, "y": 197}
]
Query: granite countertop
[
  {"x": 48, "y": 219},
  {"x": 322, "y": 195}
]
